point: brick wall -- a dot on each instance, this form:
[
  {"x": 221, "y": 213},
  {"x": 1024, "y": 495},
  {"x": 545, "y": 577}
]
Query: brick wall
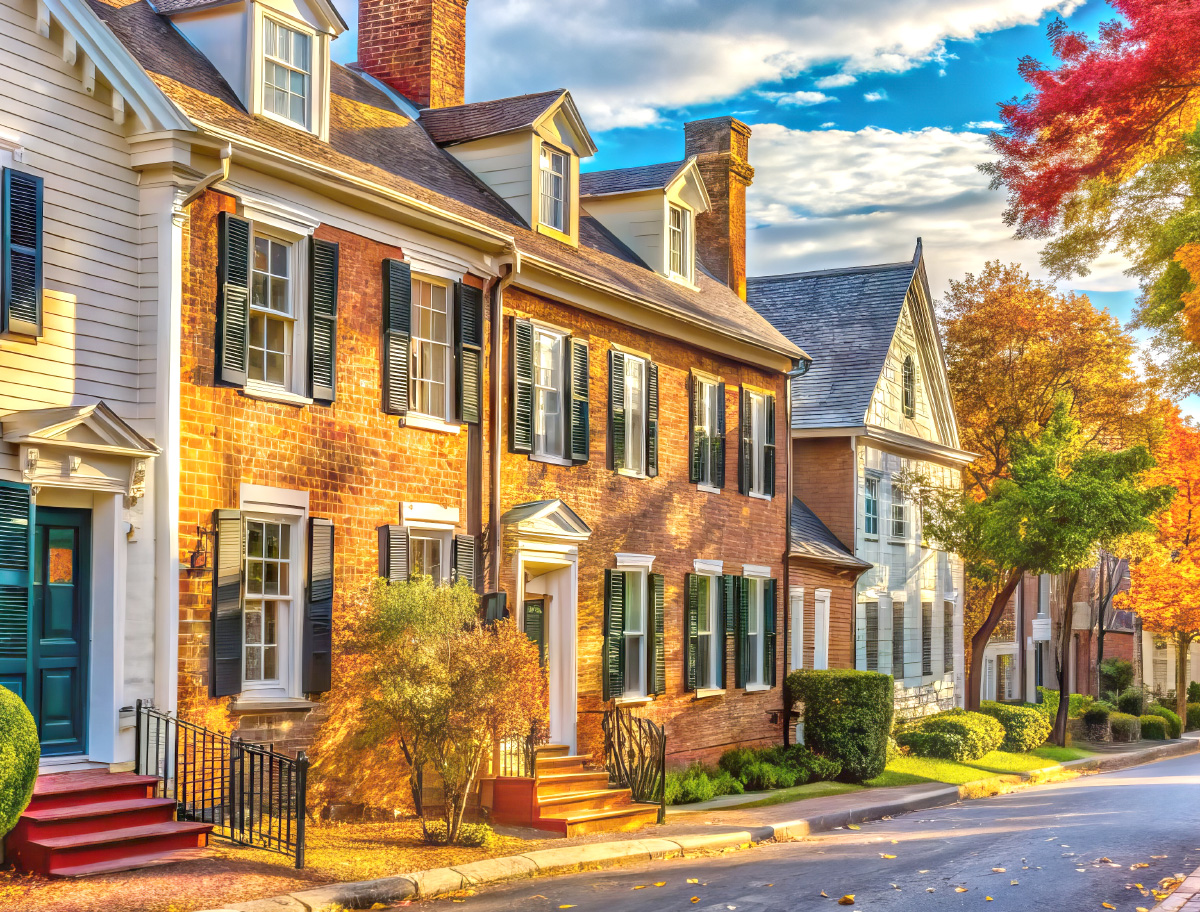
[
  {"x": 665, "y": 516},
  {"x": 722, "y": 147},
  {"x": 813, "y": 575},
  {"x": 823, "y": 477},
  {"x": 418, "y": 47}
]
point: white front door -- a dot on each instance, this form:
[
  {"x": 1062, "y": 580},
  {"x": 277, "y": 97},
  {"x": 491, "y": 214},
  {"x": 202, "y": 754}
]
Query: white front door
[{"x": 554, "y": 580}]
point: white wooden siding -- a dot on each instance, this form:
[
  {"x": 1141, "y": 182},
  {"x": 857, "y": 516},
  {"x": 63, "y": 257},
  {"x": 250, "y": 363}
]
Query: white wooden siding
[
  {"x": 507, "y": 165},
  {"x": 638, "y": 220}
]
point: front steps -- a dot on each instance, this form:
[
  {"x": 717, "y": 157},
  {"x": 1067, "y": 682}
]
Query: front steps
[
  {"x": 96, "y": 822},
  {"x": 572, "y": 800}
]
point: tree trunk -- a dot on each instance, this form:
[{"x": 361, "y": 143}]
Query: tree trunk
[
  {"x": 980, "y": 639},
  {"x": 1100, "y": 609},
  {"x": 1063, "y": 663},
  {"x": 1183, "y": 645}
]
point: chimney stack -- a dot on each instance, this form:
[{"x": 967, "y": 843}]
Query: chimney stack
[
  {"x": 722, "y": 149},
  {"x": 417, "y": 47}
]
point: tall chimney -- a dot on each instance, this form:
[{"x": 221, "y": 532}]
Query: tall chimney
[
  {"x": 722, "y": 149},
  {"x": 418, "y": 47}
]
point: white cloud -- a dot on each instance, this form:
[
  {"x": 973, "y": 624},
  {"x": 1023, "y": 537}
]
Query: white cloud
[
  {"x": 828, "y": 124},
  {"x": 836, "y": 81},
  {"x": 797, "y": 99},
  {"x": 627, "y": 61},
  {"x": 831, "y": 198},
  {"x": 875, "y": 96},
  {"x": 983, "y": 125}
]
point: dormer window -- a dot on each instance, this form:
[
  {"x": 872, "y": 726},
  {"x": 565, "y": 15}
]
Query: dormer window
[
  {"x": 287, "y": 72},
  {"x": 679, "y": 235},
  {"x": 554, "y": 188}
]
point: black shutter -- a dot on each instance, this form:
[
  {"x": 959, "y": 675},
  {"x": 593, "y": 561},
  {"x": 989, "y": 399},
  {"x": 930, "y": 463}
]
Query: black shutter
[
  {"x": 397, "y": 335},
  {"x": 691, "y": 627},
  {"x": 769, "y": 449},
  {"x": 322, "y": 319},
  {"x": 522, "y": 387},
  {"x": 742, "y": 638},
  {"x": 16, "y": 578},
  {"x": 534, "y": 623},
  {"x": 746, "y": 442},
  {"x": 614, "y": 634},
  {"x": 466, "y": 559},
  {"x": 226, "y": 642},
  {"x": 469, "y": 352},
  {"x": 657, "y": 602},
  {"x": 726, "y": 626},
  {"x": 871, "y": 637},
  {"x": 616, "y": 409},
  {"x": 580, "y": 437},
  {"x": 233, "y": 298},
  {"x": 947, "y": 637},
  {"x": 769, "y": 608},
  {"x": 393, "y": 553},
  {"x": 927, "y": 638},
  {"x": 652, "y": 420},
  {"x": 697, "y": 445},
  {"x": 316, "y": 670},
  {"x": 898, "y": 640},
  {"x": 719, "y": 443},
  {"x": 21, "y": 254}
]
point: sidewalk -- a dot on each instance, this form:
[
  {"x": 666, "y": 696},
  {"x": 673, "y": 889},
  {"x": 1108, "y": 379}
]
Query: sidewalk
[{"x": 706, "y": 827}]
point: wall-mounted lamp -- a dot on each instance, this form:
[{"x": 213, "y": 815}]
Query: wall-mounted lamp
[{"x": 199, "y": 558}]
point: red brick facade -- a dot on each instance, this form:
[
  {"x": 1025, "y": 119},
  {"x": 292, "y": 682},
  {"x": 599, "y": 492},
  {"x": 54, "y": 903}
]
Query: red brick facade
[
  {"x": 418, "y": 47},
  {"x": 823, "y": 477},
  {"x": 722, "y": 148},
  {"x": 813, "y": 575}
]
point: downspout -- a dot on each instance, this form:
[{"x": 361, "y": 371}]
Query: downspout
[
  {"x": 222, "y": 173},
  {"x": 799, "y": 370},
  {"x": 497, "y": 422}
]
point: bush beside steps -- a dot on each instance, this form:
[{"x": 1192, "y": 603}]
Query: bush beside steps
[{"x": 749, "y": 769}]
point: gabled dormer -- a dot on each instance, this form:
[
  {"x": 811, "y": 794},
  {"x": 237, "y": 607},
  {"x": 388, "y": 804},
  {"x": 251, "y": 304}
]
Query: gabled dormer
[
  {"x": 527, "y": 149},
  {"x": 653, "y": 210},
  {"x": 273, "y": 53}
]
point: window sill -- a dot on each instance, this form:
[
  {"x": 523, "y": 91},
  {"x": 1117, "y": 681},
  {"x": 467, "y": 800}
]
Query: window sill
[
  {"x": 682, "y": 280},
  {"x": 708, "y": 489},
  {"x": 550, "y": 231},
  {"x": 265, "y": 703},
  {"x": 757, "y": 688},
  {"x": 550, "y": 460},
  {"x": 634, "y": 701},
  {"x": 629, "y": 473},
  {"x": 430, "y": 423},
  {"x": 757, "y": 496},
  {"x": 267, "y": 393},
  {"x": 707, "y": 693}
]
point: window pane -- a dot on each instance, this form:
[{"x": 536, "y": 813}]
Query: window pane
[
  {"x": 702, "y": 614},
  {"x": 634, "y": 603},
  {"x": 635, "y": 416},
  {"x": 254, "y": 626},
  {"x": 270, "y": 664},
  {"x": 254, "y": 663}
]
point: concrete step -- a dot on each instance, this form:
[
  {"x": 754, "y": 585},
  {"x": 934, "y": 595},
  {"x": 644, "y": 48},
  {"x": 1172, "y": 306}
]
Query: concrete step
[
  {"x": 93, "y": 817},
  {"x": 51, "y": 855}
]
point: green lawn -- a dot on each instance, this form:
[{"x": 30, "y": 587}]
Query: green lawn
[
  {"x": 810, "y": 790},
  {"x": 913, "y": 770}
]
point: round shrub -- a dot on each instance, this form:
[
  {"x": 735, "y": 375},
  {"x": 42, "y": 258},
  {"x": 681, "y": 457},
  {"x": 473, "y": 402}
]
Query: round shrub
[
  {"x": 19, "y": 756},
  {"x": 1132, "y": 700},
  {"x": 736, "y": 761},
  {"x": 1024, "y": 727},
  {"x": 1154, "y": 728},
  {"x": 1193, "y": 716},
  {"x": 973, "y": 735},
  {"x": 469, "y": 834},
  {"x": 1115, "y": 675},
  {"x": 847, "y": 717},
  {"x": 1193, "y": 693},
  {"x": 1173, "y": 722},
  {"x": 1124, "y": 727},
  {"x": 1097, "y": 715},
  {"x": 943, "y": 745},
  {"x": 1095, "y": 723}
]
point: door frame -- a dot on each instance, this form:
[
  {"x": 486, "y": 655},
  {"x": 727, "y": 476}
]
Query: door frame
[{"x": 561, "y": 625}]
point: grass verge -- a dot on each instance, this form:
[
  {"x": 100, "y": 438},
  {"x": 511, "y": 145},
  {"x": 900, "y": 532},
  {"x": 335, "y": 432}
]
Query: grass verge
[
  {"x": 796, "y": 793},
  {"x": 915, "y": 770}
]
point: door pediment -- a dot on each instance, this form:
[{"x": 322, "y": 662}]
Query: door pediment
[{"x": 547, "y": 520}]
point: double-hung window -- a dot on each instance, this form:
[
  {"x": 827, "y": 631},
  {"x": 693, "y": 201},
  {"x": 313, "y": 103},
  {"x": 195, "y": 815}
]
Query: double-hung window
[
  {"x": 899, "y": 529},
  {"x": 635, "y": 633},
  {"x": 708, "y": 432},
  {"x": 871, "y": 507},
  {"x": 427, "y": 553},
  {"x": 269, "y": 560},
  {"x": 431, "y": 349},
  {"x": 549, "y": 393},
  {"x": 272, "y": 312},
  {"x": 756, "y": 467},
  {"x": 634, "y": 630},
  {"x": 287, "y": 73},
  {"x": 554, "y": 171},
  {"x": 679, "y": 238},
  {"x": 550, "y": 414},
  {"x": 754, "y": 632},
  {"x": 708, "y": 632},
  {"x": 633, "y": 414}
]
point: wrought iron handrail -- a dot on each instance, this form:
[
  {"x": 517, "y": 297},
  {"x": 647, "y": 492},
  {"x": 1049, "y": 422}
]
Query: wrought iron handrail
[
  {"x": 250, "y": 793},
  {"x": 635, "y": 753},
  {"x": 516, "y": 756}
]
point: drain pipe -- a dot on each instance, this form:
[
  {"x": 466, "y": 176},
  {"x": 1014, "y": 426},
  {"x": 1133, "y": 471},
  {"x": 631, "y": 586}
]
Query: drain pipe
[{"x": 496, "y": 427}]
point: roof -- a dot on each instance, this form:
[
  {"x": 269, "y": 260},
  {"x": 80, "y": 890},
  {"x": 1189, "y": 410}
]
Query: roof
[
  {"x": 171, "y": 7},
  {"x": 629, "y": 180},
  {"x": 463, "y": 123},
  {"x": 812, "y": 538},
  {"x": 845, "y": 319},
  {"x": 372, "y": 139}
]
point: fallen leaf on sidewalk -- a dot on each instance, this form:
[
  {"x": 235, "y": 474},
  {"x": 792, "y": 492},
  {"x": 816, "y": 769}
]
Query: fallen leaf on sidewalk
[
  {"x": 926, "y": 871},
  {"x": 1160, "y": 856},
  {"x": 960, "y": 889},
  {"x": 1140, "y": 864},
  {"x": 567, "y": 906},
  {"x": 997, "y": 870},
  {"x": 640, "y": 887},
  {"x": 826, "y": 895},
  {"x": 1104, "y": 861},
  {"x": 1142, "y": 909},
  {"x": 885, "y": 855},
  {"x": 853, "y": 826},
  {"x": 1013, "y": 883},
  {"x": 695, "y": 899},
  {"x": 1108, "y": 905},
  {"x": 693, "y": 880},
  {"x": 847, "y": 900},
  {"x": 987, "y": 899},
  {"x": 930, "y": 890}
]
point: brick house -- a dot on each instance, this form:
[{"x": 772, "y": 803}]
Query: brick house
[{"x": 874, "y": 405}]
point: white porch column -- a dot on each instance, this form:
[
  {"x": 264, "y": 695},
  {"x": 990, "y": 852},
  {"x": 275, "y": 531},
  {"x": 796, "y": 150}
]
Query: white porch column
[{"x": 107, "y": 653}]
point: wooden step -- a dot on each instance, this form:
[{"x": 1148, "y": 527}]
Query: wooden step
[
  {"x": 562, "y": 783},
  {"x": 617, "y": 820},
  {"x": 52, "y": 854},
  {"x": 581, "y": 802},
  {"x": 72, "y": 789},
  {"x": 567, "y": 763},
  {"x": 551, "y": 750},
  {"x": 131, "y": 862},
  {"x": 93, "y": 817}
]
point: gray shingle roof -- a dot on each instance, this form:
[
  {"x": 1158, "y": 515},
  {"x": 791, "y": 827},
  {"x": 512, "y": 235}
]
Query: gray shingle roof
[
  {"x": 463, "y": 123},
  {"x": 812, "y": 538},
  {"x": 844, "y": 319},
  {"x": 629, "y": 180}
]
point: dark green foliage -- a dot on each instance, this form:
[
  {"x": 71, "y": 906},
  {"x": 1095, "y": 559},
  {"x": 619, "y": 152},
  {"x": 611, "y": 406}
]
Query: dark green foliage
[
  {"x": 1097, "y": 715},
  {"x": 1173, "y": 722},
  {"x": 847, "y": 717},
  {"x": 1193, "y": 716},
  {"x": 1193, "y": 694},
  {"x": 699, "y": 783},
  {"x": 1115, "y": 675},
  {"x": 19, "y": 756},
  {"x": 1124, "y": 727},
  {"x": 952, "y": 735},
  {"x": 1024, "y": 726},
  {"x": 760, "y": 769},
  {"x": 469, "y": 834},
  {"x": 1154, "y": 728},
  {"x": 1105, "y": 705},
  {"x": 1132, "y": 700},
  {"x": 1080, "y": 703}
]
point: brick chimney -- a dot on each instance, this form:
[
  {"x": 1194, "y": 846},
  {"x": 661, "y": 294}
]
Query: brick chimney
[
  {"x": 722, "y": 148},
  {"x": 418, "y": 47}
]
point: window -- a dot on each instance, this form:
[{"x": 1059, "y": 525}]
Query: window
[
  {"x": 898, "y": 640},
  {"x": 635, "y": 633},
  {"x": 796, "y": 609},
  {"x": 427, "y": 555},
  {"x": 755, "y": 631},
  {"x": 910, "y": 387},
  {"x": 554, "y": 189},
  {"x": 899, "y": 513},
  {"x": 707, "y": 446},
  {"x": 431, "y": 349},
  {"x": 287, "y": 72},
  {"x": 758, "y": 461},
  {"x": 679, "y": 236},
  {"x": 635, "y": 415},
  {"x": 268, "y": 571},
  {"x": 549, "y": 393},
  {"x": 821, "y": 630},
  {"x": 707, "y": 612},
  {"x": 871, "y": 507},
  {"x": 272, "y": 312}
]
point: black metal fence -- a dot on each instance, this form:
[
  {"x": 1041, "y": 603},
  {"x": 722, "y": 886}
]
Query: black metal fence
[
  {"x": 251, "y": 794},
  {"x": 517, "y": 756},
  {"x": 635, "y": 753}
]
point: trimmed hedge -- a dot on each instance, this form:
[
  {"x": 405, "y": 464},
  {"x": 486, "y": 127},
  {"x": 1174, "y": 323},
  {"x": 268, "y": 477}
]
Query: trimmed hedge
[
  {"x": 1154, "y": 728},
  {"x": 847, "y": 717},
  {"x": 20, "y": 752},
  {"x": 1115, "y": 674},
  {"x": 1024, "y": 727},
  {"x": 1132, "y": 700},
  {"x": 1124, "y": 727},
  {"x": 1174, "y": 723},
  {"x": 1077, "y": 706},
  {"x": 1193, "y": 716},
  {"x": 953, "y": 735}
]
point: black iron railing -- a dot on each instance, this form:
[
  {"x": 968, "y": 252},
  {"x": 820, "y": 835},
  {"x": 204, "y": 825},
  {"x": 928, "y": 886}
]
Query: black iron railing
[
  {"x": 517, "y": 756},
  {"x": 250, "y": 793},
  {"x": 635, "y": 752}
]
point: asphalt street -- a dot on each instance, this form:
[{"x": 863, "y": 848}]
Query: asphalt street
[{"x": 1054, "y": 848}]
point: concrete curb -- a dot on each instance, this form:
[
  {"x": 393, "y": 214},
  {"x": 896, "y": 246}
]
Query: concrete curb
[{"x": 439, "y": 881}]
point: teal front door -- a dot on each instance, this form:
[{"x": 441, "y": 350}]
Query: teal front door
[{"x": 61, "y": 609}]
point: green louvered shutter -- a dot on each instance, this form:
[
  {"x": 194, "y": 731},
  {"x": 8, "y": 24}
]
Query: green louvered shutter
[
  {"x": 697, "y": 444},
  {"x": 658, "y": 664},
  {"x": 719, "y": 443},
  {"x": 322, "y": 320},
  {"x": 233, "y": 298},
  {"x": 769, "y": 608},
  {"x": 745, "y": 442},
  {"x": 469, "y": 352},
  {"x": 227, "y": 605},
  {"x": 652, "y": 420},
  {"x": 16, "y": 580},
  {"x": 691, "y": 627},
  {"x": 466, "y": 559},
  {"x": 522, "y": 387},
  {"x": 616, "y": 409},
  {"x": 742, "y": 639},
  {"x": 614, "y": 634},
  {"x": 397, "y": 335},
  {"x": 316, "y": 662},
  {"x": 581, "y": 433},
  {"x": 21, "y": 253},
  {"x": 769, "y": 449},
  {"x": 393, "y": 553},
  {"x": 534, "y": 623},
  {"x": 729, "y": 618}
]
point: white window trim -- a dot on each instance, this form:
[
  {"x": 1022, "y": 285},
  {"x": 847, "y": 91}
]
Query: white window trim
[
  {"x": 757, "y": 402},
  {"x": 687, "y": 231},
  {"x": 642, "y": 573},
  {"x": 708, "y": 567},
  {"x": 568, "y": 169},
  {"x": 712, "y": 571},
  {"x": 284, "y": 231},
  {"x": 563, "y": 403},
  {"x": 821, "y": 602},
  {"x": 757, "y": 570},
  {"x": 709, "y": 487},
  {"x": 624, "y": 469},
  {"x": 318, "y": 83},
  {"x": 626, "y": 561},
  {"x": 442, "y": 534},
  {"x": 414, "y": 416},
  {"x": 868, "y": 479},
  {"x": 759, "y": 607},
  {"x": 425, "y": 422},
  {"x": 432, "y": 520},
  {"x": 310, "y": 100},
  {"x": 796, "y": 607}
]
